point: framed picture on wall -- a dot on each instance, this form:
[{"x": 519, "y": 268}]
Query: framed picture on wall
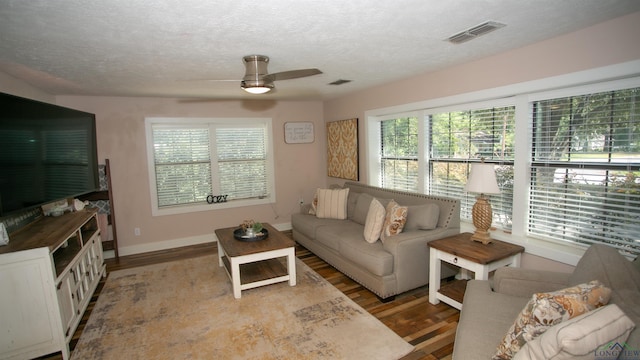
[
  {"x": 298, "y": 132},
  {"x": 342, "y": 149}
]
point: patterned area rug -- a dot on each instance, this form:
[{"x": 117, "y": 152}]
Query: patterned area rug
[{"x": 186, "y": 310}]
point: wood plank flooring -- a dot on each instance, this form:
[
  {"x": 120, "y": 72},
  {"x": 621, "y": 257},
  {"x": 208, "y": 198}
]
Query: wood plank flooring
[{"x": 430, "y": 328}]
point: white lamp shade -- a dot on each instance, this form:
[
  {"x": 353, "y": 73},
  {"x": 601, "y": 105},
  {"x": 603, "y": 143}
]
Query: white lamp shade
[{"x": 482, "y": 179}]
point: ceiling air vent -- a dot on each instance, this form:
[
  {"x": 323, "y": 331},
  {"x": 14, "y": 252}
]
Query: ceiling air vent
[
  {"x": 339, "y": 82},
  {"x": 475, "y": 31}
]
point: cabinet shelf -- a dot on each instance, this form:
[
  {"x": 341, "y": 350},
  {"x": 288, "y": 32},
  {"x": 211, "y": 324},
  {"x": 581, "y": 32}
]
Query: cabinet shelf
[{"x": 64, "y": 255}]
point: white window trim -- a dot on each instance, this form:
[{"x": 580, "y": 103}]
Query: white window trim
[
  {"x": 624, "y": 75},
  {"x": 184, "y": 209}
]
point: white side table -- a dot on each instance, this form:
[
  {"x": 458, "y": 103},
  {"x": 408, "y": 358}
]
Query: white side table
[{"x": 469, "y": 255}]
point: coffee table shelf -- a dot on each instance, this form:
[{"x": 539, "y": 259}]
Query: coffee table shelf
[{"x": 258, "y": 271}]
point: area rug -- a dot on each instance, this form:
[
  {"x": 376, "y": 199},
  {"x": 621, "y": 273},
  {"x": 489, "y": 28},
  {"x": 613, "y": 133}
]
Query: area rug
[{"x": 186, "y": 310}]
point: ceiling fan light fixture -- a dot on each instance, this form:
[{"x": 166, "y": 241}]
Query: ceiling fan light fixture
[
  {"x": 257, "y": 90},
  {"x": 256, "y": 87}
]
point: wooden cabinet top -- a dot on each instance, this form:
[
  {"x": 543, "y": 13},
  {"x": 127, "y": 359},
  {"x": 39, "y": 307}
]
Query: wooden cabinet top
[
  {"x": 461, "y": 245},
  {"x": 47, "y": 231}
]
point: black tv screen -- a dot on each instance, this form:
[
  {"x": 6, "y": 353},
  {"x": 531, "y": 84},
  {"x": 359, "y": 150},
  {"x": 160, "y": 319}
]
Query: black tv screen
[{"x": 47, "y": 153}]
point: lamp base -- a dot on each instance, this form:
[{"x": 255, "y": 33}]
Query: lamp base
[
  {"x": 481, "y": 236},
  {"x": 482, "y": 218}
]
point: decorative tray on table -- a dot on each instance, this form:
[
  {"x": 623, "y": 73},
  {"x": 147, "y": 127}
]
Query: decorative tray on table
[{"x": 239, "y": 234}]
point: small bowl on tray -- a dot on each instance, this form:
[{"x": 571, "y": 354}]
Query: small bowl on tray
[{"x": 239, "y": 234}]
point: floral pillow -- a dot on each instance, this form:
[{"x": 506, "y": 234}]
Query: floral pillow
[
  {"x": 314, "y": 204},
  {"x": 395, "y": 218},
  {"x": 547, "y": 309}
]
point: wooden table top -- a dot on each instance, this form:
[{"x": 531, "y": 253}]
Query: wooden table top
[
  {"x": 275, "y": 241},
  {"x": 461, "y": 245}
]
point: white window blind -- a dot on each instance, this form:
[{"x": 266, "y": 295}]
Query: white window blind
[
  {"x": 242, "y": 162},
  {"x": 182, "y": 164},
  {"x": 585, "y": 175},
  {"x": 399, "y": 154},
  {"x": 459, "y": 138}
]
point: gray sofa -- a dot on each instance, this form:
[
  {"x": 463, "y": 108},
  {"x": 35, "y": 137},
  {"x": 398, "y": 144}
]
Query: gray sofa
[
  {"x": 398, "y": 265},
  {"x": 488, "y": 313}
]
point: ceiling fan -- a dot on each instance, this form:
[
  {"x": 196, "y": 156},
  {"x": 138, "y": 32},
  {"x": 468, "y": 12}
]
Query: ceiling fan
[{"x": 257, "y": 79}]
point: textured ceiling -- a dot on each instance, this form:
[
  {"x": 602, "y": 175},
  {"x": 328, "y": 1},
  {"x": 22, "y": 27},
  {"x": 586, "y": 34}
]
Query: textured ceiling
[{"x": 170, "y": 47}]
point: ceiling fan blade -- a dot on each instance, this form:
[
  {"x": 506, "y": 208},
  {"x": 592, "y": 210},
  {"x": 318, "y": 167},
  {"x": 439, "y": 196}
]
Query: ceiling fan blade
[{"x": 293, "y": 74}]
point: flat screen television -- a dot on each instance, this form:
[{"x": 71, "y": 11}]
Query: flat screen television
[{"x": 47, "y": 153}]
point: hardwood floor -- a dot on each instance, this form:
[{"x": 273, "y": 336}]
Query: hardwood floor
[{"x": 430, "y": 328}]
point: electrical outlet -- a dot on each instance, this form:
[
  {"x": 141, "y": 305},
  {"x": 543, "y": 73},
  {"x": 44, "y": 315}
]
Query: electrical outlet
[{"x": 136, "y": 231}]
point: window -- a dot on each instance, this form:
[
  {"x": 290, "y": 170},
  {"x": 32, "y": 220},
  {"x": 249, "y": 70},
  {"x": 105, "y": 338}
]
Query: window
[
  {"x": 456, "y": 139},
  {"x": 192, "y": 160},
  {"x": 566, "y": 152},
  {"x": 459, "y": 138},
  {"x": 399, "y": 154},
  {"x": 585, "y": 172}
]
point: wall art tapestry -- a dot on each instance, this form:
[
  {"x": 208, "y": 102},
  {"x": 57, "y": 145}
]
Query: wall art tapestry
[{"x": 342, "y": 144}]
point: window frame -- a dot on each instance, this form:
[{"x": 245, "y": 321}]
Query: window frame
[{"x": 185, "y": 122}]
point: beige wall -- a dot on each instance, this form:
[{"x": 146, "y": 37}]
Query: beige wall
[
  {"x": 608, "y": 43},
  {"x": 11, "y": 85},
  {"x": 299, "y": 168}
]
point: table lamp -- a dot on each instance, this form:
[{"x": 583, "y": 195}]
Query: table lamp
[{"x": 482, "y": 180}]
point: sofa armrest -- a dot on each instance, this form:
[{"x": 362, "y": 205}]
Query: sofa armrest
[
  {"x": 411, "y": 256},
  {"x": 526, "y": 282}
]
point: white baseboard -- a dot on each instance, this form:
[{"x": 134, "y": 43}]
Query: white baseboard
[{"x": 175, "y": 243}]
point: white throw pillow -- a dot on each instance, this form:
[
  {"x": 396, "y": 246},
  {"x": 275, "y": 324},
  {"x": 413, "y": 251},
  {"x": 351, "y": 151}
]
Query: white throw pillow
[
  {"x": 374, "y": 222},
  {"x": 332, "y": 203},
  {"x": 603, "y": 329}
]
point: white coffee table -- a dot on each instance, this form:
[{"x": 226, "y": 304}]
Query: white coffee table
[{"x": 257, "y": 263}]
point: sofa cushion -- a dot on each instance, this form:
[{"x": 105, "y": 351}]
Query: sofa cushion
[
  {"x": 374, "y": 221},
  {"x": 422, "y": 217},
  {"x": 352, "y": 200},
  {"x": 484, "y": 319},
  {"x": 371, "y": 257},
  {"x": 362, "y": 208},
  {"x": 581, "y": 336},
  {"x": 332, "y": 203},
  {"x": 331, "y": 236},
  {"x": 308, "y": 225},
  {"x": 547, "y": 309},
  {"x": 394, "y": 220}
]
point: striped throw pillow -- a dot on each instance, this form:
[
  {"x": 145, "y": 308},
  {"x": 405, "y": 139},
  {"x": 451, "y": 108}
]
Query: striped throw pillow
[{"x": 332, "y": 203}]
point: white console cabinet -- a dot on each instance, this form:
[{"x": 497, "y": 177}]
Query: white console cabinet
[{"x": 48, "y": 273}]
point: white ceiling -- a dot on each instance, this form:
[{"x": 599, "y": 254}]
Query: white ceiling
[{"x": 168, "y": 47}]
